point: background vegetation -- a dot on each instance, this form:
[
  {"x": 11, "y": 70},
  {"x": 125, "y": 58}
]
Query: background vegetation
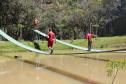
[{"x": 70, "y": 19}]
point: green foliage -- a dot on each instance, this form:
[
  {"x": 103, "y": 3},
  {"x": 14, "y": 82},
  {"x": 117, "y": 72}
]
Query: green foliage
[
  {"x": 73, "y": 18},
  {"x": 112, "y": 65}
]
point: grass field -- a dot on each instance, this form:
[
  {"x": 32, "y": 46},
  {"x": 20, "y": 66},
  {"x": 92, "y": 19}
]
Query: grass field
[
  {"x": 116, "y": 42},
  {"x": 70, "y": 58}
]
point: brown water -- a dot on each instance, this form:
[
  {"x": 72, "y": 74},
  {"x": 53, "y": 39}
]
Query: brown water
[
  {"x": 90, "y": 68},
  {"x": 93, "y": 69},
  {"x": 17, "y": 72}
]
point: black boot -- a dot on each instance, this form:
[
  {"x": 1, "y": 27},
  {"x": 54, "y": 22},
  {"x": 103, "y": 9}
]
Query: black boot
[
  {"x": 37, "y": 45},
  {"x": 51, "y": 51}
]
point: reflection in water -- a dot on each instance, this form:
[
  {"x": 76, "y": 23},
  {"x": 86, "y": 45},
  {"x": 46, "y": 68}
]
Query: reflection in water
[
  {"x": 90, "y": 68},
  {"x": 23, "y": 73},
  {"x": 37, "y": 60}
]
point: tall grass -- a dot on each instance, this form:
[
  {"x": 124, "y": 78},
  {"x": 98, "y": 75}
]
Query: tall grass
[{"x": 99, "y": 42}]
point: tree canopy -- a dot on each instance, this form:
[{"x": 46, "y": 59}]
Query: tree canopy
[{"x": 67, "y": 18}]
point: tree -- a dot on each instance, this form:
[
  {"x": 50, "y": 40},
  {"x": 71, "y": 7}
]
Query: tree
[{"x": 113, "y": 68}]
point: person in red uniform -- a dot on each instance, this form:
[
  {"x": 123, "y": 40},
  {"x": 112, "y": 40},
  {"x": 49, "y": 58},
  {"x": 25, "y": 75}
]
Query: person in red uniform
[
  {"x": 89, "y": 37},
  {"x": 51, "y": 40},
  {"x": 35, "y": 24}
]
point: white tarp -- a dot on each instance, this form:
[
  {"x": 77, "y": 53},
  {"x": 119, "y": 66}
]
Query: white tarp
[
  {"x": 71, "y": 45},
  {"x": 20, "y": 44}
]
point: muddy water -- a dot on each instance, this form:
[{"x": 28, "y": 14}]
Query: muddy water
[
  {"x": 92, "y": 69},
  {"x": 89, "y": 68},
  {"x": 17, "y": 72}
]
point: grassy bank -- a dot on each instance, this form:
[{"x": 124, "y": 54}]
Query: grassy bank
[{"x": 115, "y": 42}]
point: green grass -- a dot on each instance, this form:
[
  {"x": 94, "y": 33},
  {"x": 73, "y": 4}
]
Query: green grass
[
  {"x": 104, "y": 42},
  {"x": 110, "y": 42},
  {"x": 115, "y": 42}
]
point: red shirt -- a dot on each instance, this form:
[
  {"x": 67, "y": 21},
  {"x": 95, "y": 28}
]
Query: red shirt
[
  {"x": 89, "y": 36},
  {"x": 51, "y": 36}
]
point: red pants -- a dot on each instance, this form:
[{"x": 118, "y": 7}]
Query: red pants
[{"x": 50, "y": 44}]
